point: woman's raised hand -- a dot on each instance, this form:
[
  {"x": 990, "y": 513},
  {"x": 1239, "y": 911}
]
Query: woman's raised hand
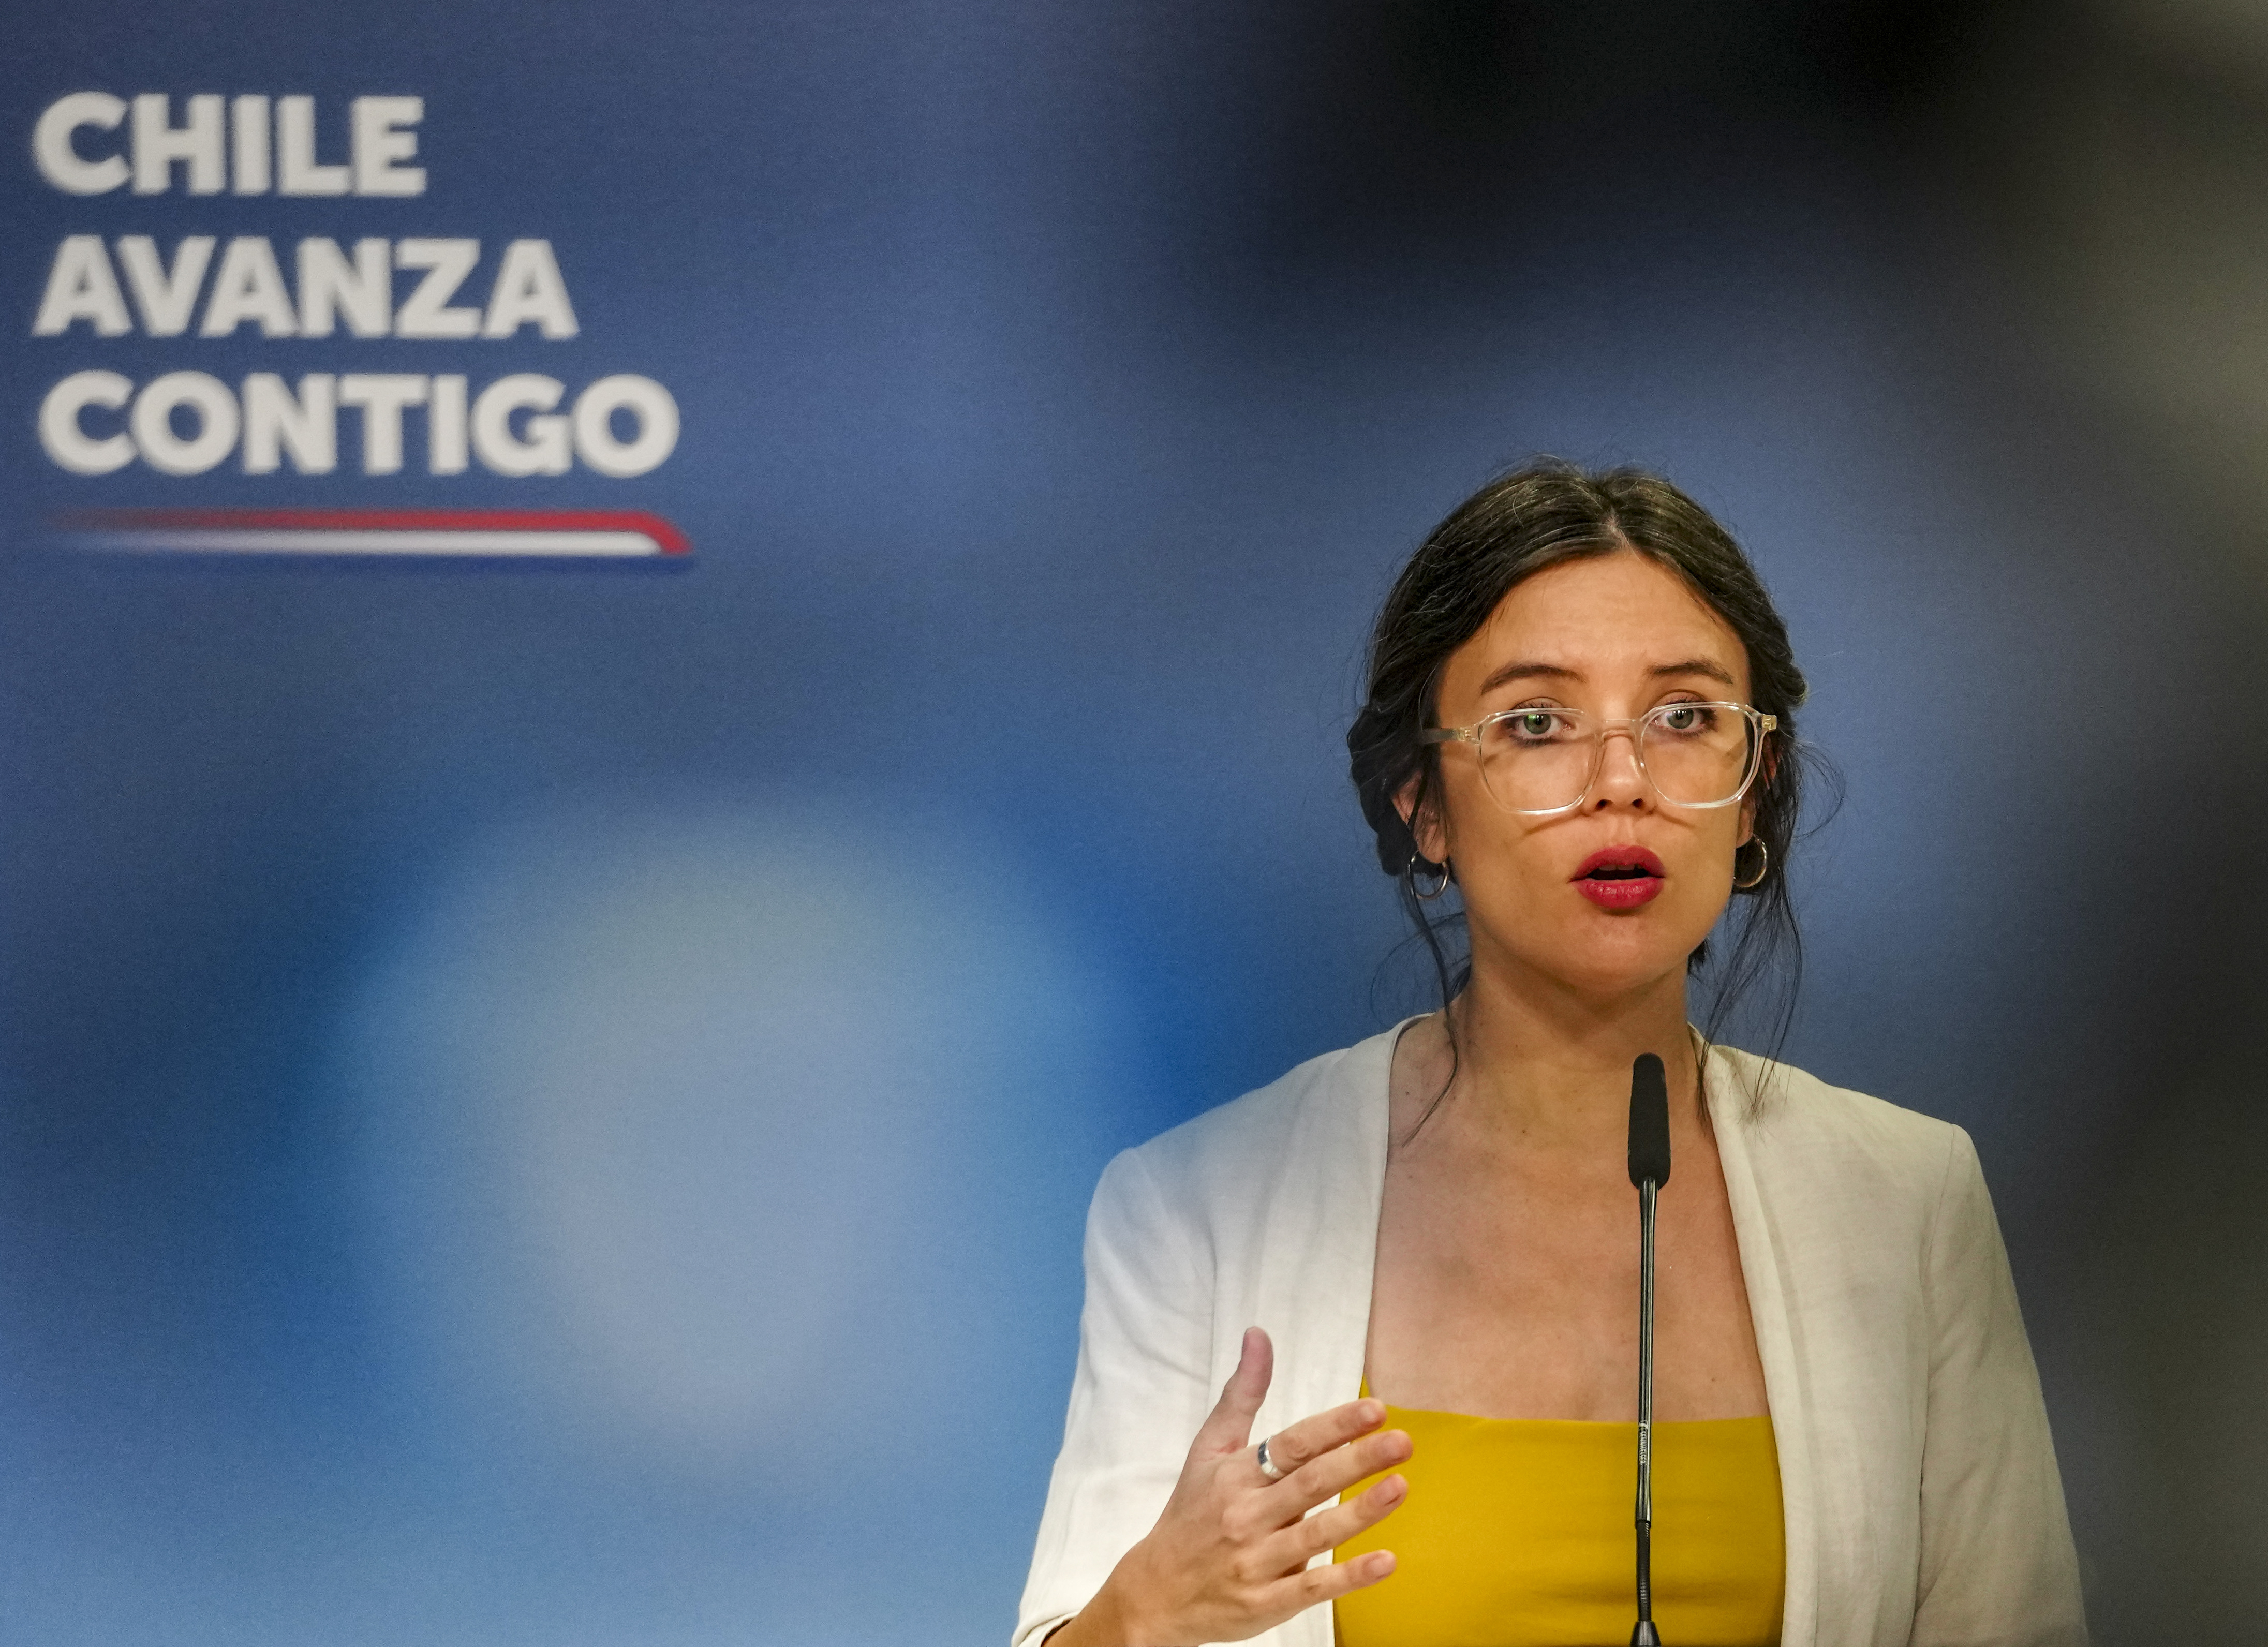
[{"x": 1228, "y": 1557}]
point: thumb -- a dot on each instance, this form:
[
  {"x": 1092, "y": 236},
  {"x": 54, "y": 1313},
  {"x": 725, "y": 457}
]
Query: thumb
[{"x": 1229, "y": 1428}]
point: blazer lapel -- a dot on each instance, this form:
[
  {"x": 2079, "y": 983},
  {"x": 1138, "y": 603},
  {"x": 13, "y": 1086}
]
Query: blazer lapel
[
  {"x": 1762, "y": 1267},
  {"x": 1321, "y": 1248},
  {"x": 1317, "y": 1252}
]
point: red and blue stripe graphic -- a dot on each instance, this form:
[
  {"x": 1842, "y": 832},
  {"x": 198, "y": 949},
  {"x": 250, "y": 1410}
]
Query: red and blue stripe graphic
[{"x": 474, "y": 533}]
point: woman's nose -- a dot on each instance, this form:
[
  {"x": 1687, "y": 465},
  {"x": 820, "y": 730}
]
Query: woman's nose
[{"x": 1620, "y": 782}]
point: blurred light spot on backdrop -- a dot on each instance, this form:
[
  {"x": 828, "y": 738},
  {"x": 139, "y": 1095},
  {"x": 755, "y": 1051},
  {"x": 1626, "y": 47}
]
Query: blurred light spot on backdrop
[{"x": 721, "y": 1139}]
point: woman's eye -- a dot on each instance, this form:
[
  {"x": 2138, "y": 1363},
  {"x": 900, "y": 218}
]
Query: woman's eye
[
  {"x": 1687, "y": 718},
  {"x": 1535, "y": 726}
]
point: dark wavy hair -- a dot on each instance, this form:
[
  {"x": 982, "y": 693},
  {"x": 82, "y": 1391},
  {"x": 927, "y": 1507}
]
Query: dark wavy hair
[{"x": 1541, "y": 516}]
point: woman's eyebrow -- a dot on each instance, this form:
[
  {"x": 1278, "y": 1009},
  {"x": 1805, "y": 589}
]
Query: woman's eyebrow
[
  {"x": 1523, "y": 670},
  {"x": 1693, "y": 666}
]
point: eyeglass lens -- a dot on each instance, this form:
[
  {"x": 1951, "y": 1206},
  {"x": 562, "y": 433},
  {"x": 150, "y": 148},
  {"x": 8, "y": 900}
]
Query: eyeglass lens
[{"x": 1697, "y": 754}]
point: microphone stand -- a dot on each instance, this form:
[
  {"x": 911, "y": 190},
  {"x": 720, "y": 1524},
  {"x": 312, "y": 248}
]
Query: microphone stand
[
  {"x": 1645, "y": 1635},
  {"x": 1649, "y": 1171}
]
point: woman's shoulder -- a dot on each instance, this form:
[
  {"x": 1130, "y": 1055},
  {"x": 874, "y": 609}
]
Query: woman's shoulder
[
  {"x": 1790, "y": 1120},
  {"x": 1313, "y": 1118}
]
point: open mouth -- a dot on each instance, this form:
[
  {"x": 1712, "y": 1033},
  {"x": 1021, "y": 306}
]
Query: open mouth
[
  {"x": 1621, "y": 862},
  {"x": 1620, "y": 877}
]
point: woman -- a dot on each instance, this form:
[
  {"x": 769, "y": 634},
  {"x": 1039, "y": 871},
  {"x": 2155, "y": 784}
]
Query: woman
[{"x": 1408, "y": 1268}]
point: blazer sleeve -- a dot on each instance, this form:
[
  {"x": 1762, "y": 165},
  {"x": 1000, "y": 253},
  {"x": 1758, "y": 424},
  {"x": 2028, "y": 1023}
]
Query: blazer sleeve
[
  {"x": 1998, "y": 1566},
  {"x": 1136, "y": 1398}
]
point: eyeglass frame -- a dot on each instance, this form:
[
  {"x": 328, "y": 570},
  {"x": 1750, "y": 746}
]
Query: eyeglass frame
[{"x": 1761, "y": 725}]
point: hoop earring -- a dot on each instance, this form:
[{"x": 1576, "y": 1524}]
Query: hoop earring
[
  {"x": 1439, "y": 887},
  {"x": 1763, "y": 868}
]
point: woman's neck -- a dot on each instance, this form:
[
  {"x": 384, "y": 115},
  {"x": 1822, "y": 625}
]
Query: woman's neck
[{"x": 1538, "y": 1060}]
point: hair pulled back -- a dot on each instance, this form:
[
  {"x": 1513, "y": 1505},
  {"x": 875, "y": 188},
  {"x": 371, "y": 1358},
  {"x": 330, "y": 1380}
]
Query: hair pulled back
[{"x": 1517, "y": 526}]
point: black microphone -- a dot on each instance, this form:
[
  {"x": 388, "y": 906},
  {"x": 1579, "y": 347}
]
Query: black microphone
[
  {"x": 1649, "y": 1169},
  {"x": 1649, "y": 1134}
]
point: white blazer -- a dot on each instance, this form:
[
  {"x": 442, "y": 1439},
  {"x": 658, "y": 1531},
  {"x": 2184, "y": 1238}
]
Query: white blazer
[{"x": 1921, "y": 1494}]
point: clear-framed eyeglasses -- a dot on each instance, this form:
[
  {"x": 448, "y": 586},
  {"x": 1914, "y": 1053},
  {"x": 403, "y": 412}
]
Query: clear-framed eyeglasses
[{"x": 1544, "y": 758}]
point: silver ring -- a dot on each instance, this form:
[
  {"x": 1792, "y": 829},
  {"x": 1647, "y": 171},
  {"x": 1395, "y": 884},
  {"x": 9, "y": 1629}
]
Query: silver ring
[{"x": 1267, "y": 1466}]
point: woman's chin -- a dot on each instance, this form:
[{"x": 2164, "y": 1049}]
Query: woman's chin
[
  {"x": 1583, "y": 948},
  {"x": 1604, "y": 973}
]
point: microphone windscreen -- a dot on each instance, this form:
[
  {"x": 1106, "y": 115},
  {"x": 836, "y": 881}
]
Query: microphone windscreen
[{"x": 1649, "y": 1134}]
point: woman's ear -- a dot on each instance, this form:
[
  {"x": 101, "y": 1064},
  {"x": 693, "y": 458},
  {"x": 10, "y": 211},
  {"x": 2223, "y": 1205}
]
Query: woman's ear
[
  {"x": 1423, "y": 814},
  {"x": 1755, "y": 796}
]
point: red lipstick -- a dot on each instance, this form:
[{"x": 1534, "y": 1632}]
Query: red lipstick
[{"x": 1620, "y": 877}]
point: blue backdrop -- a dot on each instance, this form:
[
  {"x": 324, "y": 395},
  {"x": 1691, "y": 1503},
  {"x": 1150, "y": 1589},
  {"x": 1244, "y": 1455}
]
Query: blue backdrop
[{"x": 552, "y": 1102}]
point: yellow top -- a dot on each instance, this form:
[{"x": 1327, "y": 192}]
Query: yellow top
[{"x": 1517, "y": 1532}]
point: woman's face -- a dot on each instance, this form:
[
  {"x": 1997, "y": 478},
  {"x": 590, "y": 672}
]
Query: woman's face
[{"x": 1614, "y": 635}]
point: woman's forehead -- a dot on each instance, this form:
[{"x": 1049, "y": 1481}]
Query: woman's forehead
[{"x": 1605, "y": 620}]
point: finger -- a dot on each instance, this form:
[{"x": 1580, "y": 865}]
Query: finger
[
  {"x": 1340, "y": 1469},
  {"x": 1313, "y": 1585},
  {"x": 1295, "y": 1445},
  {"x": 1302, "y": 1541},
  {"x": 1229, "y": 1427}
]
